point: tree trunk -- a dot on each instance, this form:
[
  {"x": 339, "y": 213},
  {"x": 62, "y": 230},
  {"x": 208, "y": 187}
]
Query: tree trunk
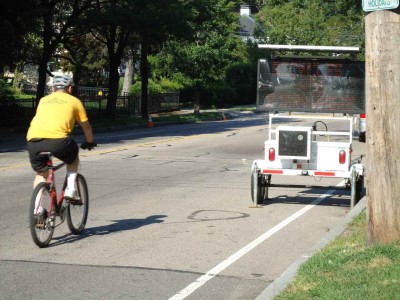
[
  {"x": 144, "y": 74},
  {"x": 128, "y": 78},
  {"x": 382, "y": 31},
  {"x": 196, "y": 105},
  {"x": 41, "y": 87},
  {"x": 78, "y": 74},
  {"x": 113, "y": 81}
]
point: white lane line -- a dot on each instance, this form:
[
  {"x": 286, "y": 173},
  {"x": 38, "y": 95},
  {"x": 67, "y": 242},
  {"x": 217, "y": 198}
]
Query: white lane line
[{"x": 234, "y": 257}]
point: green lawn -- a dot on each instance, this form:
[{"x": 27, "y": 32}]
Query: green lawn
[
  {"x": 124, "y": 120},
  {"x": 349, "y": 269}
]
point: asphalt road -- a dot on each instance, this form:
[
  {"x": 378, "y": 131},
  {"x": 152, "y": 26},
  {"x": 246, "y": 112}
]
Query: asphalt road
[{"x": 170, "y": 217}]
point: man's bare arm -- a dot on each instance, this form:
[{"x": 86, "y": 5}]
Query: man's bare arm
[{"x": 87, "y": 131}]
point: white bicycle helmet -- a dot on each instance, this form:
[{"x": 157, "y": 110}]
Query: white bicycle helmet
[{"x": 61, "y": 81}]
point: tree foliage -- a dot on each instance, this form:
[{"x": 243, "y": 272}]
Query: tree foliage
[
  {"x": 312, "y": 22},
  {"x": 16, "y": 24},
  {"x": 58, "y": 19},
  {"x": 191, "y": 42},
  {"x": 213, "y": 46}
]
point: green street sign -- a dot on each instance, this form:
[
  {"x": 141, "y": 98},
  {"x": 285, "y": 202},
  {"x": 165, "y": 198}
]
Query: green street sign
[{"x": 374, "y": 5}]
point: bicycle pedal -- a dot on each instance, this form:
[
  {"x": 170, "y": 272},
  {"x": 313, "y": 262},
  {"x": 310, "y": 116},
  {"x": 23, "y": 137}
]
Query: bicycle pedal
[
  {"x": 39, "y": 225},
  {"x": 40, "y": 219}
]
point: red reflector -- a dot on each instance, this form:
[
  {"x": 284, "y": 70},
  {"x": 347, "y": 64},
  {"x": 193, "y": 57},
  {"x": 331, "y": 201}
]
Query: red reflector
[
  {"x": 342, "y": 157},
  {"x": 362, "y": 116},
  {"x": 319, "y": 173},
  {"x": 271, "y": 154},
  {"x": 272, "y": 171}
]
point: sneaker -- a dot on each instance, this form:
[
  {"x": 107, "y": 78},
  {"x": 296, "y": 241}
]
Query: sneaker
[{"x": 71, "y": 195}]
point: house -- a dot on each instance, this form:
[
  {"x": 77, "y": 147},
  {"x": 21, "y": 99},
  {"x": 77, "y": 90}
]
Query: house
[{"x": 247, "y": 23}]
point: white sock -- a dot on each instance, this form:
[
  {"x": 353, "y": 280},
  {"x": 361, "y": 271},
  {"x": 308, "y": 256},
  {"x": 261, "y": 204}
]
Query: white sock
[{"x": 71, "y": 180}]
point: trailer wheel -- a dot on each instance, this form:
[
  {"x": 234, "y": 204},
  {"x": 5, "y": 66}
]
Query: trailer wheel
[
  {"x": 257, "y": 192},
  {"x": 361, "y": 137},
  {"x": 265, "y": 182},
  {"x": 359, "y": 188}
]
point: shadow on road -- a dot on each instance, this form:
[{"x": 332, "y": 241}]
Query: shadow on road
[
  {"x": 116, "y": 226},
  {"x": 306, "y": 197}
]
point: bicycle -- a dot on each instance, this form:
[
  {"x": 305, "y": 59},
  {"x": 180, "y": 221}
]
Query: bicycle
[{"x": 45, "y": 206}]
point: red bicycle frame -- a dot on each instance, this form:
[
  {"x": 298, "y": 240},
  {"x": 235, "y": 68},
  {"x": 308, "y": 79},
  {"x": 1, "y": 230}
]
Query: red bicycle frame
[{"x": 55, "y": 205}]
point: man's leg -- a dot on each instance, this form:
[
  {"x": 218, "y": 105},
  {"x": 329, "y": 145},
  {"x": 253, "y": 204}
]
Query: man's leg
[
  {"x": 40, "y": 177},
  {"x": 74, "y": 166},
  {"x": 72, "y": 171}
]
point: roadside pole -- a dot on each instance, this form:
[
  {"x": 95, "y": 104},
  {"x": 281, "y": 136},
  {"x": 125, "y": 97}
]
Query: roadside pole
[{"x": 382, "y": 87}]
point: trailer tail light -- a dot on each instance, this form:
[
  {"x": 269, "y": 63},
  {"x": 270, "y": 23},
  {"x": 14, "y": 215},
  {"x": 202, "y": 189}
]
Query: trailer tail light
[
  {"x": 362, "y": 116},
  {"x": 271, "y": 154},
  {"x": 342, "y": 157}
]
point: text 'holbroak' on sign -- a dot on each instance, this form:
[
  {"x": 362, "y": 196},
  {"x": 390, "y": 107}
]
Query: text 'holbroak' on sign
[{"x": 373, "y": 5}]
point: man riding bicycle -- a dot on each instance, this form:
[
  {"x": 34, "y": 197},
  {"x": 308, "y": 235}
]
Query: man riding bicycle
[{"x": 50, "y": 131}]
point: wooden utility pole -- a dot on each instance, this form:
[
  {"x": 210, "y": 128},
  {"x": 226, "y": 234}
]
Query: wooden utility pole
[{"x": 382, "y": 35}]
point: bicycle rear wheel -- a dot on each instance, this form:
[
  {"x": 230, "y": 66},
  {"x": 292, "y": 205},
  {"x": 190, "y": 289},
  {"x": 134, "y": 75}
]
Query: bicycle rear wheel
[
  {"x": 77, "y": 212},
  {"x": 39, "y": 215}
]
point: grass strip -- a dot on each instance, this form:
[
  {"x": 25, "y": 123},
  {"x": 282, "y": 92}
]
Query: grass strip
[
  {"x": 348, "y": 268},
  {"x": 121, "y": 120}
]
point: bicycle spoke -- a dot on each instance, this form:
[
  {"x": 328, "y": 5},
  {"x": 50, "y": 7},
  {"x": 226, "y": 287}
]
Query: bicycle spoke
[
  {"x": 39, "y": 215},
  {"x": 78, "y": 212}
]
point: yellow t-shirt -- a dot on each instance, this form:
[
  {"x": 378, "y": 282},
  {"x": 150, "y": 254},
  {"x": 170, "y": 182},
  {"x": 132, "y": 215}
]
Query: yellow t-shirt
[{"x": 55, "y": 116}]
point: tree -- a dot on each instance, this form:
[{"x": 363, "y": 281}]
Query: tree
[
  {"x": 213, "y": 47},
  {"x": 311, "y": 22},
  {"x": 58, "y": 18},
  {"x": 383, "y": 139},
  {"x": 113, "y": 23},
  {"x": 18, "y": 27},
  {"x": 161, "y": 20},
  {"x": 86, "y": 57},
  {"x": 16, "y": 22},
  {"x": 128, "y": 76}
]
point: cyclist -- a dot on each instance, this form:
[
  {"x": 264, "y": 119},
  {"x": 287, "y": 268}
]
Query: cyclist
[{"x": 50, "y": 131}]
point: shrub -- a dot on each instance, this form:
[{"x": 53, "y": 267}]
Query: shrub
[
  {"x": 243, "y": 79},
  {"x": 222, "y": 96},
  {"x": 8, "y": 105},
  {"x": 6, "y": 93},
  {"x": 239, "y": 74},
  {"x": 162, "y": 86},
  {"x": 246, "y": 94},
  {"x": 212, "y": 97}
]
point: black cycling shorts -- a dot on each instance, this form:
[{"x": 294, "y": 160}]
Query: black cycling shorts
[{"x": 65, "y": 149}]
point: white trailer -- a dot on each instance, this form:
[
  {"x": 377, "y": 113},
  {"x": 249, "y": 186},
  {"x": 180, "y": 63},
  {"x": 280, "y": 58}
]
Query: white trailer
[
  {"x": 311, "y": 86},
  {"x": 307, "y": 150}
]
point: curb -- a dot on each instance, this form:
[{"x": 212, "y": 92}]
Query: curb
[{"x": 279, "y": 284}]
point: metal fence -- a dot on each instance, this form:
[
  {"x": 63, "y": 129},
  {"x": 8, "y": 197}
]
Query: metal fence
[
  {"x": 20, "y": 111},
  {"x": 131, "y": 104},
  {"x": 163, "y": 102},
  {"x": 16, "y": 111},
  {"x": 87, "y": 91}
]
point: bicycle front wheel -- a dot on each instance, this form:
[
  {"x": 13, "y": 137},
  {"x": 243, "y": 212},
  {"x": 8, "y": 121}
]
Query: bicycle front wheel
[
  {"x": 40, "y": 224},
  {"x": 77, "y": 213}
]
